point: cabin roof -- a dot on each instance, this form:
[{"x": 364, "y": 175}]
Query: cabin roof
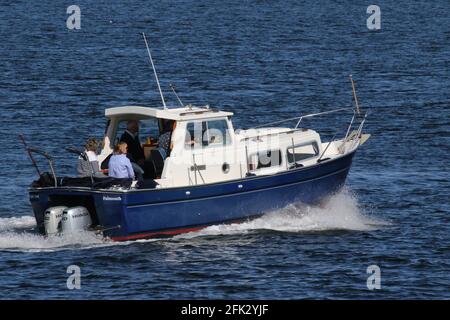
[{"x": 185, "y": 113}]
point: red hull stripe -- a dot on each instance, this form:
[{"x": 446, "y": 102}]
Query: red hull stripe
[
  {"x": 158, "y": 233},
  {"x": 173, "y": 232}
]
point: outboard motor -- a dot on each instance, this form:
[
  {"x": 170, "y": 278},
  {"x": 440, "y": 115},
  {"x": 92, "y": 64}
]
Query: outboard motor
[
  {"x": 52, "y": 220},
  {"x": 75, "y": 219}
]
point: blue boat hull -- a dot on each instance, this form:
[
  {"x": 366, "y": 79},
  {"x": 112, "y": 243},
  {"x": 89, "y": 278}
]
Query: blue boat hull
[{"x": 140, "y": 214}]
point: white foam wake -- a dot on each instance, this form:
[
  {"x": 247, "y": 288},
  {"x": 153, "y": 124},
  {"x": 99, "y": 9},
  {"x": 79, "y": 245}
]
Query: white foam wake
[
  {"x": 340, "y": 212},
  {"x": 16, "y": 235},
  {"x": 23, "y": 222},
  {"x": 24, "y": 241}
]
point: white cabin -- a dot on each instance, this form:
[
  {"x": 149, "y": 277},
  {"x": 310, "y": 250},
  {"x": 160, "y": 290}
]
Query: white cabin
[{"x": 207, "y": 149}]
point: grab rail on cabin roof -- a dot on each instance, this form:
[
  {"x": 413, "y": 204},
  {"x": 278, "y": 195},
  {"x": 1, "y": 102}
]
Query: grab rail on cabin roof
[
  {"x": 355, "y": 115},
  {"x": 305, "y": 116}
]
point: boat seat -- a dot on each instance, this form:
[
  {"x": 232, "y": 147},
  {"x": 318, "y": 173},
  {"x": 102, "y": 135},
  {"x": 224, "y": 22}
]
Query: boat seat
[
  {"x": 105, "y": 163},
  {"x": 157, "y": 163},
  {"x": 147, "y": 184}
]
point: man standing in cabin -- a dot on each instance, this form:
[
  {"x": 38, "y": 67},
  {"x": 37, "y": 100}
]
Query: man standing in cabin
[{"x": 131, "y": 137}]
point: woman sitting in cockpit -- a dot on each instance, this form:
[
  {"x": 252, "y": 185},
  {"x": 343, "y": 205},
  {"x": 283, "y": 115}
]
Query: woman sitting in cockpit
[{"x": 88, "y": 163}]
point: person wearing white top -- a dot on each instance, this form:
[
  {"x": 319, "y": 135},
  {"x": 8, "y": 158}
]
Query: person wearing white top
[{"x": 89, "y": 166}]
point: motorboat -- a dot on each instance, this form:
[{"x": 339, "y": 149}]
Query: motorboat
[{"x": 213, "y": 174}]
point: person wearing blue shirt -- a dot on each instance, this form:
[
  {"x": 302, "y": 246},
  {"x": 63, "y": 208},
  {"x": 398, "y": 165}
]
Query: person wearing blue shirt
[{"x": 119, "y": 164}]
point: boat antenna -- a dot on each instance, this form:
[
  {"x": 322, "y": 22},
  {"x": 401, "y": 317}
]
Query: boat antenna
[
  {"x": 154, "y": 70},
  {"x": 354, "y": 94},
  {"x": 173, "y": 89}
]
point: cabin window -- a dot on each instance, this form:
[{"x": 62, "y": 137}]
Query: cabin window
[
  {"x": 265, "y": 159},
  {"x": 302, "y": 151},
  {"x": 207, "y": 133},
  {"x": 217, "y": 132},
  {"x": 121, "y": 128},
  {"x": 194, "y": 134},
  {"x": 148, "y": 128}
]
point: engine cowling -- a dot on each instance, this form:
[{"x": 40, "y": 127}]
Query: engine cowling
[
  {"x": 75, "y": 219},
  {"x": 52, "y": 220}
]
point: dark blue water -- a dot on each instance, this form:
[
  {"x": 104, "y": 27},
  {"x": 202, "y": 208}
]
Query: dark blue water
[{"x": 265, "y": 61}]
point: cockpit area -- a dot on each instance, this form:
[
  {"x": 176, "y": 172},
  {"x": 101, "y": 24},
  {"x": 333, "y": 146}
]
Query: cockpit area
[{"x": 160, "y": 140}]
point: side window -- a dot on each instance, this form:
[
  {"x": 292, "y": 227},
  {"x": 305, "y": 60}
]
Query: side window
[
  {"x": 194, "y": 134},
  {"x": 207, "y": 133},
  {"x": 265, "y": 159},
  {"x": 149, "y": 129},
  {"x": 120, "y": 130},
  {"x": 302, "y": 152},
  {"x": 217, "y": 133}
]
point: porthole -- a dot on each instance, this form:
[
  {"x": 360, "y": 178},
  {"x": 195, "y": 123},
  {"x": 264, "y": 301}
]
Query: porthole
[{"x": 226, "y": 168}]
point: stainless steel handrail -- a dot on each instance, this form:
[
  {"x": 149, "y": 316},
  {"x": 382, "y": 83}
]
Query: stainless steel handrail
[
  {"x": 320, "y": 113},
  {"x": 305, "y": 116},
  {"x": 49, "y": 159}
]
